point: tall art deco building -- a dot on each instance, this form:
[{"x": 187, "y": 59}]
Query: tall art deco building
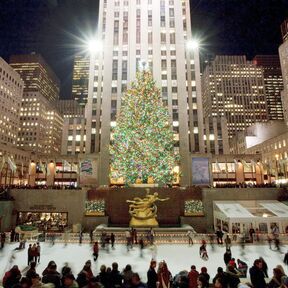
[{"x": 157, "y": 33}]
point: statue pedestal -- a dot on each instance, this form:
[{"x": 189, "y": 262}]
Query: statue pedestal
[{"x": 152, "y": 222}]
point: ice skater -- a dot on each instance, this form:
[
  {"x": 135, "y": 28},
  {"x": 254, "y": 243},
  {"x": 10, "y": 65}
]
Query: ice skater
[
  {"x": 95, "y": 250},
  {"x": 112, "y": 238},
  {"x": 203, "y": 251},
  {"x": 190, "y": 235},
  {"x": 141, "y": 247}
]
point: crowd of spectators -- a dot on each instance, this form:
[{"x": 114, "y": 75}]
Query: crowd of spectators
[{"x": 111, "y": 277}]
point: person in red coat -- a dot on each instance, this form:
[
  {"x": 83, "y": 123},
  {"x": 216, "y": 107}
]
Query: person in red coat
[
  {"x": 95, "y": 250},
  {"x": 193, "y": 276}
]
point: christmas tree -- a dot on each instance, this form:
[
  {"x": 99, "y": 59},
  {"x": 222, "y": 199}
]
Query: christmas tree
[{"x": 142, "y": 147}]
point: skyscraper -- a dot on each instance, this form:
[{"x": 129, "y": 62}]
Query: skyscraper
[
  {"x": 11, "y": 93},
  {"x": 156, "y": 34},
  {"x": 80, "y": 79},
  {"x": 37, "y": 75},
  {"x": 234, "y": 88},
  {"x": 273, "y": 84},
  {"x": 283, "y": 53},
  {"x": 40, "y": 121}
]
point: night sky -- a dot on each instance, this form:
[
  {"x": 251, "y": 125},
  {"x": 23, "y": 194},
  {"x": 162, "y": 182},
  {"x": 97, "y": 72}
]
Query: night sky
[{"x": 53, "y": 28}]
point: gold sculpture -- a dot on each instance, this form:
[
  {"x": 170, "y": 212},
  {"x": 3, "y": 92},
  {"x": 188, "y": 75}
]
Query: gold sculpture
[{"x": 144, "y": 211}]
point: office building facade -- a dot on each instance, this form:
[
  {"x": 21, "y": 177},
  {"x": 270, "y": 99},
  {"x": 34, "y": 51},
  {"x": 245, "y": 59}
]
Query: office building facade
[
  {"x": 283, "y": 53},
  {"x": 11, "y": 93},
  {"x": 273, "y": 84},
  {"x": 80, "y": 79},
  {"x": 233, "y": 87},
  {"x": 155, "y": 34}
]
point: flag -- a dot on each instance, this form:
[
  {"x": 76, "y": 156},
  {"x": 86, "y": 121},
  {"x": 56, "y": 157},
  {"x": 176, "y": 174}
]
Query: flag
[
  {"x": 236, "y": 163},
  {"x": 11, "y": 164},
  {"x": 22, "y": 169},
  {"x": 245, "y": 164},
  {"x": 42, "y": 167},
  {"x": 3, "y": 163},
  {"x": 29, "y": 170},
  {"x": 66, "y": 165}
]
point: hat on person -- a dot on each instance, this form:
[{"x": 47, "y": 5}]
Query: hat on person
[{"x": 69, "y": 276}]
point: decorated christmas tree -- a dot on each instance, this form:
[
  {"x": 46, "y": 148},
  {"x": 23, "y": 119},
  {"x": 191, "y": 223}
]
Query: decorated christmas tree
[{"x": 142, "y": 147}]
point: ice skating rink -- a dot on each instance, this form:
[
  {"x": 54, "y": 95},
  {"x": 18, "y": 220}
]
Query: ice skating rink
[{"x": 178, "y": 257}]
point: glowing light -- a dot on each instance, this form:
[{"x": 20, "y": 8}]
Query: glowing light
[
  {"x": 193, "y": 44},
  {"x": 94, "y": 46}
]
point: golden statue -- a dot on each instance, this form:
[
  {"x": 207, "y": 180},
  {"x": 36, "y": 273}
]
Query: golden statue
[{"x": 144, "y": 211}]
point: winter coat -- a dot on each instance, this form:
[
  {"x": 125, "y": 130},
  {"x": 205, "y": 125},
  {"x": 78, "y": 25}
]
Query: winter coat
[
  {"x": 11, "y": 278},
  {"x": 52, "y": 277},
  {"x": 193, "y": 276},
  {"x": 116, "y": 279},
  {"x": 152, "y": 278},
  {"x": 227, "y": 257},
  {"x": 102, "y": 277},
  {"x": 257, "y": 277}
]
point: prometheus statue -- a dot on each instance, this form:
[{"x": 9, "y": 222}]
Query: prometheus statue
[{"x": 144, "y": 211}]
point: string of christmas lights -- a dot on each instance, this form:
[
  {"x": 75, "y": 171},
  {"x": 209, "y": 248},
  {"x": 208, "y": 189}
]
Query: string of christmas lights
[{"x": 142, "y": 146}]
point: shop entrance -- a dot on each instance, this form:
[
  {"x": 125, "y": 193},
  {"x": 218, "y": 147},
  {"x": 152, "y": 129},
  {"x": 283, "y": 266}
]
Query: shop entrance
[{"x": 44, "y": 221}]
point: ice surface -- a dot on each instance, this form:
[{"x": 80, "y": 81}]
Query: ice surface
[{"x": 178, "y": 257}]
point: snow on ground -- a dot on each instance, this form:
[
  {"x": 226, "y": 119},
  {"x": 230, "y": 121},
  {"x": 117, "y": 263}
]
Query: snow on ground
[{"x": 178, "y": 257}]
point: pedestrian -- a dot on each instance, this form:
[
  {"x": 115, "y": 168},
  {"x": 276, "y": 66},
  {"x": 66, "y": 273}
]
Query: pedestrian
[
  {"x": 34, "y": 253},
  {"x": 277, "y": 279},
  {"x": 277, "y": 243},
  {"x": 136, "y": 281},
  {"x": 30, "y": 257},
  {"x": 69, "y": 281},
  {"x": 251, "y": 234},
  {"x": 115, "y": 276},
  {"x": 205, "y": 274},
  {"x": 221, "y": 275},
  {"x": 219, "y": 235},
  {"x": 151, "y": 236},
  {"x": 256, "y": 275},
  {"x": 102, "y": 277},
  {"x": 128, "y": 239},
  {"x": 269, "y": 240},
  {"x": 232, "y": 276},
  {"x": 80, "y": 237},
  {"x": 91, "y": 236},
  {"x": 127, "y": 276},
  {"x": 227, "y": 242},
  {"x": 190, "y": 237},
  {"x": 152, "y": 277},
  {"x": 286, "y": 258},
  {"x": 11, "y": 277},
  {"x": 203, "y": 252},
  {"x": 193, "y": 276},
  {"x": 227, "y": 256},
  {"x": 12, "y": 235},
  {"x": 38, "y": 253},
  {"x": 141, "y": 246},
  {"x": 2, "y": 240},
  {"x": 264, "y": 267},
  {"x": 242, "y": 268},
  {"x": 95, "y": 250},
  {"x": 31, "y": 270},
  {"x": 135, "y": 236},
  {"x": 52, "y": 276},
  {"x": 112, "y": 238},
  {"x": 164, "y": 275}
]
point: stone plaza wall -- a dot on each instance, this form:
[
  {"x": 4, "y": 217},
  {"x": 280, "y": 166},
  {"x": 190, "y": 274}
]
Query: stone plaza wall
[
  {"x": 6, "y": 212},
  {"x": 170, "y": 213},
  {"x": 70, "y": 201}
]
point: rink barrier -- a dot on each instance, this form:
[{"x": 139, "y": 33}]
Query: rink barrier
[{"x": 165, "y": 237}]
